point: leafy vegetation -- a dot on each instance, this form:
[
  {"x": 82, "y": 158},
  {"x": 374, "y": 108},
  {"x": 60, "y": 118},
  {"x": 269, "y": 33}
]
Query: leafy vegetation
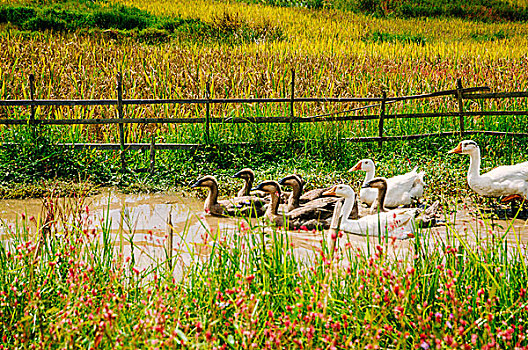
[
  {"x": 351, "y": 55},
  {"x": 480, "y": 10},
  {"x": 119, "y": 21},
  {"x": 65, "y": 283}
]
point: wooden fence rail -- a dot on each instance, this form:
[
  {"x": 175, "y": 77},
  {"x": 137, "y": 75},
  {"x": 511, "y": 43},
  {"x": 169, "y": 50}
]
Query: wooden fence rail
[
  {"x": 467, "y": 93},
  {"x": 460, "y": 94}
]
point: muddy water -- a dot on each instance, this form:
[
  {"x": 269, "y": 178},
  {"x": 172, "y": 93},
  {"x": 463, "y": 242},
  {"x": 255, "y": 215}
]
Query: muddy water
[
  {"x": 142, "y": 219},
  {"x": 145, "y": 221}
]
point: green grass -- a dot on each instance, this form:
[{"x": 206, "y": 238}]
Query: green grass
[{"x": 64, "y": 285}]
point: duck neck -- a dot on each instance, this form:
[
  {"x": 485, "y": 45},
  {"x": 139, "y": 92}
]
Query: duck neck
[
  {"x": 274, "y": 206},
  {"x": 212, "y": 197},
  {"x": 369, "y": 175},
  {"x": 293, "y": 201},
  {"x": 244, "y": 191},
  {"x": 347, "y": 207},
  {"x": 382, "y": 192},
  {"x": 474, "y": 165}
]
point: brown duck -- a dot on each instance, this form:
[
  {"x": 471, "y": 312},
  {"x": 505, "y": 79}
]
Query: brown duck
[{"x": 244, "y": 205}]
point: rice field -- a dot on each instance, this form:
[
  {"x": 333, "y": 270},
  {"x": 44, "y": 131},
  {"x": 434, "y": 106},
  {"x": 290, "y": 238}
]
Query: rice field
[
  {"x": 333, "y": 53},
  {"x": 65, "y": 284}
]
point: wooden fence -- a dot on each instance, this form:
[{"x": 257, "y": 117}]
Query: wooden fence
[{"x": 460, "y": 94}]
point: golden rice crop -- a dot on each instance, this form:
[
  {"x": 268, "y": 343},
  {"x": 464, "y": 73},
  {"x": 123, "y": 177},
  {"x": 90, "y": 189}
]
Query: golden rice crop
[{"x": 332, "y": 52}]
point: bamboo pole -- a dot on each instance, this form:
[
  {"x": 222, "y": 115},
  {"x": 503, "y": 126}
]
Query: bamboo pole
[
  {"x": 467, "y": 94},
  {"x": 309, "y": 119},
  {"x": 170, "y": 236},
  {"x": 121, "y": 116},
  {"x": 207, "y": 111},
  {"x": 292, "y": 100},
  {"x": 32, "y": 96},
  {"x": 32, "y": 115},
  {"x": 152, "y": 153},
  {"x": 460, "y": 106},
  {"x": 382, "y": 117}
]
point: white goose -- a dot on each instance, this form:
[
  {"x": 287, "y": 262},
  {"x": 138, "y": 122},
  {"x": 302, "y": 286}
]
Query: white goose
[
  {"x": 398, "y": 223},
  {"x": 507, "y": 180},
  {"x": 401, "y": 189}
]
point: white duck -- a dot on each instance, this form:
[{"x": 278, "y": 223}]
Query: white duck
[
  {"x": 401, "y": 189},
  {"x": 507, "y": 180},
  {"x": 398, "y": 223}
]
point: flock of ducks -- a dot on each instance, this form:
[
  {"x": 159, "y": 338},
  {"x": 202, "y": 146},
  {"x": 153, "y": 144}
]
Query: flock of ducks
[{"x": 380, "y": 208}]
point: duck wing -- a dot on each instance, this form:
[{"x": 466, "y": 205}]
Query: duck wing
[
  {"x": 313, "y": 194},
  {"x": 399, "y": 188},
  {"x": 398, "y": 223},
  {"x": 516, "y": 171},
  {"x": 246, "y": 205}
]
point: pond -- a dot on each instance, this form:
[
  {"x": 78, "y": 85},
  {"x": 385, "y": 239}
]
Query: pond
[{"x": 140, "y": 226}]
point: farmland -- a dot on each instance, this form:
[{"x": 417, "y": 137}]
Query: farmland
[{"x": 63, "y": 283}]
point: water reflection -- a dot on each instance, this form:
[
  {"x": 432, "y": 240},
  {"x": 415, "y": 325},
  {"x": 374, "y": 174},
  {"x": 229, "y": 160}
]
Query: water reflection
[{"x": 141, "y": 225}]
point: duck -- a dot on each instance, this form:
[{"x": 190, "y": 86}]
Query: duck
[
  {"x": 310, "y": 216},
  {"x": 296, "y": 198},
  {"x": 427, "y": 216},
  {"x": 510, "y": 181},
  {"x": 242, "y": 205},
  {"x": 398, "y": 223},
  {"x": 248, "y": 176},
  {"x": 401, "y": 190}
]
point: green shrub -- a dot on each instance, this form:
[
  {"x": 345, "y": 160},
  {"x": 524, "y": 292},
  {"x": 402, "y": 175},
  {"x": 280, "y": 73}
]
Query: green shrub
[
  {"x": 121, "y": 17},
  {"x": 118, "y": 22},
  {"x": 16, "y": 15},
  {"x": 30, "y": 154}
]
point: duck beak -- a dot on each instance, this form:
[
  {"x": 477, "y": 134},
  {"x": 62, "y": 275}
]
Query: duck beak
[
  {"x": 330, "y": 192},
  {"x": 457, "y": 149},
  {"x": 366, "y": 185},
  {"x": 237, "y": 175},
  {"x": 196, "y": 184},
  {"x": 355, "y": 167},
  {"x": 257, "y": 188}
]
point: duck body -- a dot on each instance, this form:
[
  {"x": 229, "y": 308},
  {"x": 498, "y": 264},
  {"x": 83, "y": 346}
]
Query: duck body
[
  {"x": 401, "y": 189},
  {"x": 398, "y": 223},
  {"x": 323, "y": 204},
  {"x": 506, "y": 180},
  {"x": 244, "y": 205},
  {"x": 312, "y": 216}
]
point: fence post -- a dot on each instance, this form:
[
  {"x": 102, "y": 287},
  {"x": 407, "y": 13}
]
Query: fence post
[
  {"x": 207, "y": 110},
  {"x": 382, "y": 117},
  {"x": 292, "y": 100},
  {"x": 32, "y": 96},
  {"x": 152, "y": 153},
  {"x": 121, "y": 116},
  {"x": 460, "y": 106},
  {"x": 170, "y": 236}
]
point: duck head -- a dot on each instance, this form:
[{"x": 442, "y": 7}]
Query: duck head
[
  {"x": 341, "y": 190},
  {"x": 291, "y": 180},
  {"x": 465, "y": 147},
  {"x": 363, "y": 164},
  {"x": 206, "y": 181},
  {"x": 268, "y": 186},
  {"x": 245, "y": 174}
]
